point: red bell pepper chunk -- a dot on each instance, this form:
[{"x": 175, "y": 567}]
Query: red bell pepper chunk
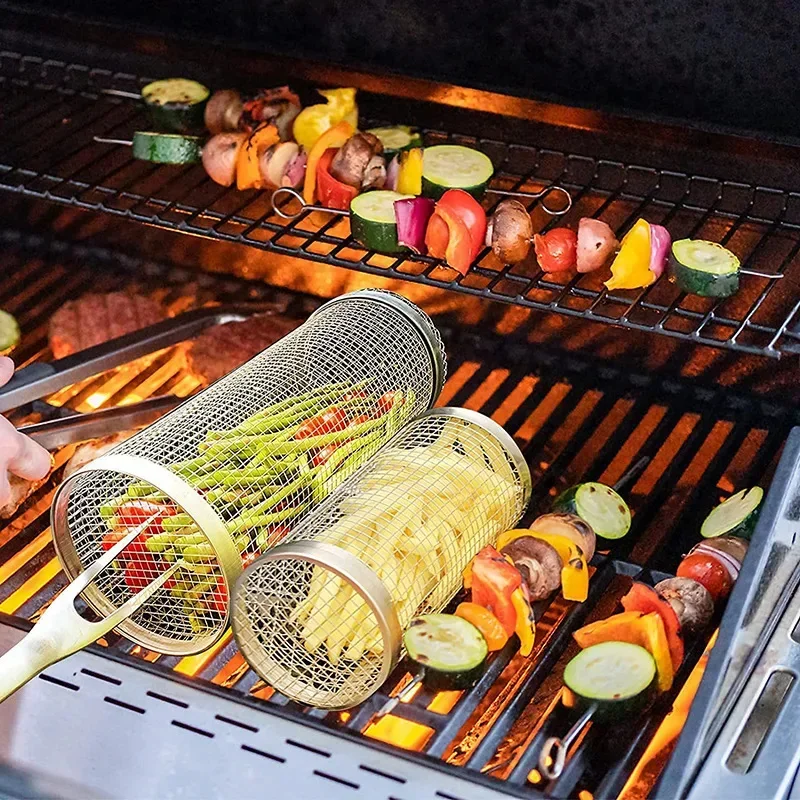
[
  {"x": 329, "y": 421},
  {"x": 331, "y": 192},
  {"x": 470, "y": 212},
  {"x": 643, "y": 598},
  {"x": 456, "y": 249},
  {"x": 136, "y": 512},
  {"x": 323, "y": 454},
  {"x": 493, "y": 583},
  {"x": 357, "y": 420},
  {"x": 386, "y": 401},
  {"x": 218, "y": 597}
]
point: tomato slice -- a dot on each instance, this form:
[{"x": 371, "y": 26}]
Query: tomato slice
[
  {"x": 471, "y": 213},
  {"x": 557, "y": 250}
]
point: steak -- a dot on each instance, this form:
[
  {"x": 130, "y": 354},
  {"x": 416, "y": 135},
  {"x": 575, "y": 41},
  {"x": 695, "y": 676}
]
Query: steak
[
  {"x": 95, "y": 318},
  {"x": 221, "y": 349}
]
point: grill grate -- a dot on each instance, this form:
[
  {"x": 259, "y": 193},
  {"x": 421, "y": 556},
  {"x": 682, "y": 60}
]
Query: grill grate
[
  {"x": 573, "y": 419},
  {"x": 52, "y": 109}
]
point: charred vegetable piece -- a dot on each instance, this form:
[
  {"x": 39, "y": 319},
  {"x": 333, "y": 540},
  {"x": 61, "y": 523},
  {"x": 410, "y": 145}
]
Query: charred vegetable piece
[
  {"x": 704, "y": 268},
  {"x": 598, "y": 505},
  {"x": 556, "y": 250},
  {"x": 690, "y": 600},
  {"x": 453, "y": 166},
  {"x": 166, "y": 148},
  {"x": 373, "y": 221},
  {"x": 248, "y": 171},
  {"x": 9, "y": 333},
  {"x": 279, "y": 107},
  {"x": 574, "y": 570},
  {"x": 510, "y": 232},
  {"x": 539, "y": 564},
  {"x": 176, "y": 104},
  {"x": 645, "y": 599},
  {"x": 571, "y": 526},
  {"x": 354, "y": 162},
  {"x": 397, "y": 138},
  {"x": 220, "y": 154},
  {"x": 736, "y": 516},
  {"x": 451, "y": 650},
  {"x": 493, "y": 582},
  {"x": 618, "y": 678},
  {"x": 645, "y": 630},
  {"x": 223, "y": 111},
  {"x": 596, "y": 243},
  {"x": 486, "y": 622}
]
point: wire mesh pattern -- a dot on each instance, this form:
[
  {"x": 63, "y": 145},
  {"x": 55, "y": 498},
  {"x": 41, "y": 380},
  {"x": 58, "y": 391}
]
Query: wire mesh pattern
[
  {"x": 415, "y": 515},
  {"x": 260, "y": 447},
  {"x": 62, "y": 103}
]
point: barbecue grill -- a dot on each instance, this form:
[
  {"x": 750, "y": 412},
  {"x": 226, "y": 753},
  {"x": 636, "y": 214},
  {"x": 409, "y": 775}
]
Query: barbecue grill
[{"x": 606, "y": 386}]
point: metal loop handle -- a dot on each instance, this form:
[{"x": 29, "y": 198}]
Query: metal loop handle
[
  {"x": 295, "y": 195},
  {"x": 542, "y": 195},
  {"x": 553, "y": 757}
]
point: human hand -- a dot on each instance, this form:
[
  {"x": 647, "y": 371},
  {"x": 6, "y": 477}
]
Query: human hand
[{"x": 19, "y": 455}]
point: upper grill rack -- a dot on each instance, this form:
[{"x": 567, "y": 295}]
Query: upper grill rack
[{"x": 50, "y": 110}]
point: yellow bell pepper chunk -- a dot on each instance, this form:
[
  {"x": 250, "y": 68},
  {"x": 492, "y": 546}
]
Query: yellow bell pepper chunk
[
  {"x": 314, "y": 120},
  {"x": 526, "y": 625},
  {"x": 409, "y": 179},
  {"x": 631, "y": 268}
]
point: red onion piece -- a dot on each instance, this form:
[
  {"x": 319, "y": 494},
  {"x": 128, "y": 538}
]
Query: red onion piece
[
  {"x": 392, "y": 173},
  {"x": 660, "y": 240},
  {"x": 412, "y": 216},
  {"x": 296, "y": 170}
]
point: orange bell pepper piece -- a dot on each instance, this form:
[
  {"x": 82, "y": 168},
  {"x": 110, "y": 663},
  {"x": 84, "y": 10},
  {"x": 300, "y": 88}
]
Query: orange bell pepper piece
[
  {"x": 334, "y": 137},
  {"x": 248, "y": 175},
  {"x": 455, "y": 247},
  {"x": 646, "y": 630},
  {"x": 486, "y": 622}
]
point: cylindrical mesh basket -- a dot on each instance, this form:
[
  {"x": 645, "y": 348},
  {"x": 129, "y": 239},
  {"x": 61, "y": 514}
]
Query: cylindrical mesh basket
[
  {"x": 228, "y": 473},
  {"x": 320, "y": 616}
]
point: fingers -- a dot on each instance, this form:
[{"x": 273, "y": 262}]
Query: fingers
[
  {"x": 6, "y": 370},
  {"x": 21, "y": 455}
]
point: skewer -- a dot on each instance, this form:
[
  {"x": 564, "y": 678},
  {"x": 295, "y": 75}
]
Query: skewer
[
  {"x": 121, "y": 93},
  {"x": 554, "y": 751},
  {"x": 104, "y": 140},
  {"x": 406, "y": 691}
]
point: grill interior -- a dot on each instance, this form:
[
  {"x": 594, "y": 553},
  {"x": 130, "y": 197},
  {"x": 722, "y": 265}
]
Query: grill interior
[
  {"x": 51, "y": 109},
  {"x": 678, "y": 447}
]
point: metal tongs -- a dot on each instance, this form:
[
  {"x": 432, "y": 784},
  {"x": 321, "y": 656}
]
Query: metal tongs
[
  {"x": 542, "y": 195},
  {"x": 43, "y": 378}
]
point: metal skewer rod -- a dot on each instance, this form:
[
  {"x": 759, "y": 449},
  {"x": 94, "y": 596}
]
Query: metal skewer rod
[
  {"x": 553, "y": 757},
  {"x": 406, "y": 691},
  {"x": 104, "y": 140},
  {"x": 122, "y": 93}
]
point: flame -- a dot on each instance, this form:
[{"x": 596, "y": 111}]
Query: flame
[
  {"x": 655, "y": 756},
  {"x": 400, "y": 732},
  {"x": 444, "y": 702},
  {"x": 191, "y": 665}
]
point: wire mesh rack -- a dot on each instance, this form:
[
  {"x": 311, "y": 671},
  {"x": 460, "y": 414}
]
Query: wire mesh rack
[{"x": 50, "y": 111}]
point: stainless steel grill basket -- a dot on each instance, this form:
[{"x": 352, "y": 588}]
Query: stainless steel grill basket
[
  {"x": 320, "y": 616},
  {"x": 225, "y": 475}
]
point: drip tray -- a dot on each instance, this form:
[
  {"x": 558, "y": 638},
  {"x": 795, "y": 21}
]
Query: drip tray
[{"x": 91, "y": 726}]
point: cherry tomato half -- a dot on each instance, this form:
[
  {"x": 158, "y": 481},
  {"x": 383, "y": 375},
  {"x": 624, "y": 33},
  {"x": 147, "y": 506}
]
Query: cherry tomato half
[
  {"x": 557, "y": 250},
  {"x": 333, "y": 419}
]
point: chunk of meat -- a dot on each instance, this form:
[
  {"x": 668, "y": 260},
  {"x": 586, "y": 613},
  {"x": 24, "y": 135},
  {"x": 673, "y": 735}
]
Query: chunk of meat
[
  {"x": 94, "y": 448},
  {"x": 95, "y": 318},
  {"x": 221, "y": 349},
  {"x": 21, "y": 490}
]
